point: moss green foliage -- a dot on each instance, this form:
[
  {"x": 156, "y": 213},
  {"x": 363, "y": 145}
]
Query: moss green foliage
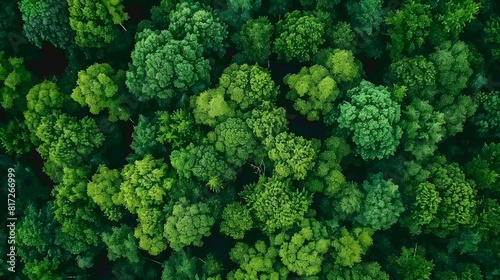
[
  {"x": 300, "y": 36},
  {"x": 411, "y": 264},
  {"x": 236, "y": 220},
  {"x": 187, "y": 224},
  {"x": 313, "y": 91},
  {"x": 487, "y": 118},
  {"x": 350, "y": 246},
  {"x": 104, "y": 189},
  {"x": 275, "y": 204},
  {"x": 177, "y": 128},
  {"x": 121, "y": 244},
  {"x": 254, "y": 41},
  {"x": 14, "y": 82},
  {"x": 95, "y": 22},
  {"x": 373, "y": 117}
]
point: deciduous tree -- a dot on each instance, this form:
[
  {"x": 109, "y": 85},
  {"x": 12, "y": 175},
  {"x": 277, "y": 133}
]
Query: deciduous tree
[{"x": 254, "y": 41}]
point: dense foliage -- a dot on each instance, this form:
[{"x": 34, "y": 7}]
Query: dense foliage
[{"x": 250, "y": 140}]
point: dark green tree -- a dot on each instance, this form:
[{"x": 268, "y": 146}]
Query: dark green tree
[
  {"x": 121, "y": 243},
  {"x": 254, "y": 41},
  {"x": 177, "y": 128},
  {"x": 412, "y": 264}
]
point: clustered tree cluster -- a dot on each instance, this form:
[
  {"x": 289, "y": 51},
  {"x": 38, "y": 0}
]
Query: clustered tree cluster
[{"x": 311, "y": 139}]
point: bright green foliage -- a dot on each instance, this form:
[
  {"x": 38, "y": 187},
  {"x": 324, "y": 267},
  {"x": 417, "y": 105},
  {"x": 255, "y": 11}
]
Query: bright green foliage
[
  {"x": 210, "y": 108},
  {"x": 457, "y": 198},
  {"x": 163, "y": 67},
  {"x": 342, "y": 36},
  {"x": 66, "y": 140},
  {"x": 426, "y": 205},
  {"x": 149, "y": 231},
  {"x": 452, "y": 66},
  {"x": 484, "y": 169},
  {"x": 144, "y": 138},
  {"x": 95, "y": 21},
  {"x": 46, "y": 20},
  {"x": 236, "y": 220},
  {"x": 343, "y": 66},
  {"x": 188, "y": 224},
  {"x": 491, "y": 31},
  {"x": 366, "y": 17},
  {"x": 100, "y": 87},
  {"x": 247, "y": 87},
  {"x": 303, "y": 252},
  {"x": 487, "y": 118},
  {"x": 457, "y": 14},
  {"x": 180, "y": 265},
  {"x": 422, "y": 128},
  {"x": 235, "y": 140},
  {"x": 267, "y": 121},
  {"x": 326, "y": 176},
  {"x": 121, "y": 244},
  {"x": 299, "y": 37},
  {"x": 373, "y": 117},
  {"x": 104, "y": 189},
  {"x": 417, "y": 74},
  {"x": 201, "y": 21},
  {"x": 361, "y": 271},
  {"x": 293, "y": 156},
  {"x": 313, "y": 91},
  {"x": 412, "y": 264},
  {"x": 204, "y": 163},
  {"x": 382, "y": 205},
  {"x": 177, "y": 128},
  {"x": 254, "y": 41},
  {"x": 489, "y": 218},
  {"x": 275, "y": 204},
  {"x": 239, "y": 11},
  {"x": 14, "y": 82},
  {"x": 14, "y": 137},
  {"x": 145, "y": 184},
  {"x": 409, "y": 27},
  {"x": 256, "y": 263},
  {"x": 350, "y": 246},
  {"x": 78, "y": 215}
]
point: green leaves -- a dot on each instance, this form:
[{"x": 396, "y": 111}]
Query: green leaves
[
  {"x": 180, "y": 62},
  {"x": 350, "y": 246},
  {"x": 299, "y": 37},
  {"x": 236, "y": 220},
  {"x": 373, "y": 117},
  {"x": 412, "y": 264},
  {"x": 14, "y": 82},
  {"x": 121, "y": 243},
  {"x": 100, "y": 87},
  {"x": 254, "y": 41}
]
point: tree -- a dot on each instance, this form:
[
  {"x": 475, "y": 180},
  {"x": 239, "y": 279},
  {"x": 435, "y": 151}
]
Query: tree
[
  {"x": 303, "y": 252},
  {"x": 374, "y": 118},
  {"x": 190, "y": 17},
  {"x": 487, "y": 119},
  {"x": 15, "y": 82},
  {"x": 210, "y": 108},
  {"x": 327, "y": 174},
  {"x": 149, "y": 231},
  {"x": 293, "y": 156},
  {"x": 104, "y": 189},
  {"x": 457, "y": 14},
  {"x": 313, "y": 91},
  {"x": 247, "y": 87},
  {"x": 121, "y": 244},
  {"x": 417, "y": 74},
  {"x": 100, "y": 87},
  {"x": 67, "y": 141},
  {"x": 235, "y": 140},
  {"x": 145, "y": 184},
  {"x": 362, "y": 270},
  {"x": 180, "y": 62},
  {"x": 238, "y": 12},
  {"x": 484, "y": 168},
  {"x": 15, "y": 137},
  {"x": 412, "y": 264},
  {"x": 254, "y": 41},
  {"x": 204, "y": 163},
  {"x": 236, "y": 220},
  {"x": 46, "y": 20},
  {"x": 267, "y": 121},
  {"x": 275, "y": 204},
  {"x": 144, "y": 138},
  {"x": 350, "y": 246},
  {"x": 10, "y": 22},
  {"x": 422, "y": 128},
  {"x": 343, "y": 66},
  {"x": 456, "y": 111},
  {"x": 342, "y": 36},
  {"x": 300, "y": 36},
  {"x": 425, "y": 206},
  {"x": 491, "y": 36},
  {"x": 177, "y": 128},
  {"x": 187, "y": 224},
  {"x": 180, "y": 265},
  {"x": 366, "y": 17},
  {"x": 382, "y": 206},
  {"x": 94, "y": 22},
  {"x": 409, "y": 27},
  {"x": 257, "y": 262},
  {"x": 452, "y": 66}
]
